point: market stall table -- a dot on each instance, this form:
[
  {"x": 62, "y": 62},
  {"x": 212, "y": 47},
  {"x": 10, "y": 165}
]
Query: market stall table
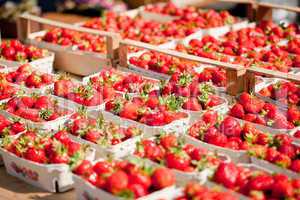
[{"x": 12, "y": 188}]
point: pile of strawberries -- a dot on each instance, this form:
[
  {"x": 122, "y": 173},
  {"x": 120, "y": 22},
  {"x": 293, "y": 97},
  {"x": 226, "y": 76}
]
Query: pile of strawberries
[
  {"x": 149, "y": 31},
  {"x": 10, "y": 127},
  {"x": 125, "y": 179},
  {"x": 251, "y": 108},
  {"x": 196, "y": 96},
  {"x": 25, "y": 75},
  {"x": 46, "y": 149},
  {"x": 256, "y": 46},
  {"x": 169, "y": 9},
  {"x": 175, "y": 154},
  {"x": 256, "y": 184},
  {"x": 81, "y": 94},
  {"x": 230, "y": 133},
  {"x": 161, "y": 63},
  {"x": 285, "y": 92},
  {"x": 194, "y": 190},
  {"x": 100, "y": 131},
  {"x": 146, "y": 111},
  {"x": 36, "y": 108},
  {"x": 122, "y": 82},
  {"x": 82, "y": 41},
  {"x": 14, "y": 50}
]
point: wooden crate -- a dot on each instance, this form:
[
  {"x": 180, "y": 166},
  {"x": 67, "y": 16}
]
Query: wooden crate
[
  {"x": 72, "y": 61},
  {"x": 234, "y": 73}
]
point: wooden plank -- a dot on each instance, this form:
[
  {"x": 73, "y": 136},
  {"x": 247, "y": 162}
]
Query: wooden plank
[
  {"x": 276, "y": 74},
  {"x": 123, "y": 52},
  {"x": 253, "y": 71},
  {"x": 234, "y": 82},
  {"x": 278, "y": 6},
  {"x": 67, "y": 26}
]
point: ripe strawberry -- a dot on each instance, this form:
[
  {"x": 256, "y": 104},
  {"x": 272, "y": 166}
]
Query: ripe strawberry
[
  {"x": 129, "y": 111},
  {"x": 213, "y": 136},
  {"x": 226, "y": 174},
  {"x": 261, "y": 183},
  {"x": 295, "y": 166},
  {"x": 138, "y": 190},
  {"x": 282, "y": 161},
  {"x": 210, "y": 117},
  {"x": 84, "y": 168},
  {"x": 28, "y": 101},
  {"x": 162, "y": 177},
  {"x": 230, "y": 127},
  {"x": 282, "y": 188},
  {"x": 140, "y": 179},
  {"x": 35, "y": 155},
  {"x": 237, "y": 111},
  {"x": 179, "y": 160},
  {"x": 43, "y": 102},
  {"x": 92, "y": 136},
  {"x": 117, "y": 182},
  {"x": 250, "y": 117},
  {"x": 293, "y": 115},
  {"x": 17, "y": 127},
  {"x": 271, "y": 110},
  {"x": 192, "y": 104},
  {"x": 102, "y": 167},
  {"x": 168, "y": 141}
]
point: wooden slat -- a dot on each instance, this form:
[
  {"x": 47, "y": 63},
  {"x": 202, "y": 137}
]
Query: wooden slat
[
  {"x": 278, "y": 6},
  {"x": 66, "y": 26},
  {"x": 253, "y": 71}
]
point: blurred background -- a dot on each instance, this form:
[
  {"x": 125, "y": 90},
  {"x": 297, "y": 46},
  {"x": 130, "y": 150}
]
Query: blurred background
[{"x": 74, "y": 10}]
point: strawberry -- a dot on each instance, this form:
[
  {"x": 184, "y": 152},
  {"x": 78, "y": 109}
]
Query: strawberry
[
  {"x": 35, "y": 155},
  {"x": 43, "y": 102},
  {"x": 84, "y": 168},
  {"x": 192, "y": 104},
  {"x": 237, "y": 111},
  {"x": 261, "y": 183},
  {"x": 102, "y": 167},
  {"x": 117, "y": 182},
  {"x": 226, "y": 174},
  {"x": 162, "y": 177},
  {"x": 178, "y": 160},
  {"x": 129, "y": 111},
  {"x": 230, "y": 127}
]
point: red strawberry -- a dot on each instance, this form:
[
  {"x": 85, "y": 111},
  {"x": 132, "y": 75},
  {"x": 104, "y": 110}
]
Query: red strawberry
[
  {"x": 129, "y": 111},
  {"x": 102, "y": 167},
  {"x": 43, "y": 102},
  {"x": 117, "y": 182},
  {"x": 138, "y": 190},
  {"x": 282, "y": 188},
  {"x": 192, "y": 104},
  {"x": 230, "y": 127},
  {"x": 179, "y": 160},
  {"x": 162, "y": 177},
  {"x": 295, "y": 166},
  {"x": 237, "y": 111},
  {"x": 213, "y": 136},
  {"x": 84, "y": 169},
  {"x": 271, "y": 110},
  {"x": 250, "y": 117},
  {"x": 35, "y": 155},
  {"x": 226, "y": 174},
  {"x": 210, "y": 117}
]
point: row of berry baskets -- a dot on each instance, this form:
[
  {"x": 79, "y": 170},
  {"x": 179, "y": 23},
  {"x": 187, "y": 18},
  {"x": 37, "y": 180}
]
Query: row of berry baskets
[{"x": 121, "y": 135}]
